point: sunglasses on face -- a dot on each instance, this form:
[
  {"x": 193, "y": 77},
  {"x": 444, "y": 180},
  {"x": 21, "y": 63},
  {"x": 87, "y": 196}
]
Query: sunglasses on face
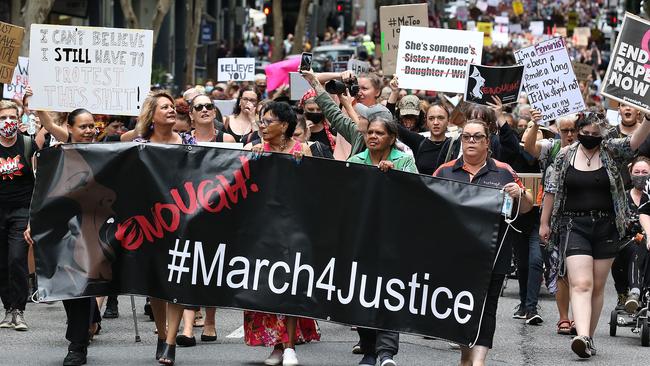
[
  {"x": 208, "y": 106},
  {"x": 568, "y": 130},
  {"x": 476, "y": 138}
]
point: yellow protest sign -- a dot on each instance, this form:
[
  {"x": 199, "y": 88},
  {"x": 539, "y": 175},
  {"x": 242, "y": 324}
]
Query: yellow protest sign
[
  {"x": 486, "y": 28},
  {"x": 518, "y": 7}
]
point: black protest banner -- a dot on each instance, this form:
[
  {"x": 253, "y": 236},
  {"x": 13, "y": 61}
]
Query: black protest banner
[
  {"x": 322, "y": 239},
  {"x": 628, "y": 75},
  {"x": 484, "y": 82}
]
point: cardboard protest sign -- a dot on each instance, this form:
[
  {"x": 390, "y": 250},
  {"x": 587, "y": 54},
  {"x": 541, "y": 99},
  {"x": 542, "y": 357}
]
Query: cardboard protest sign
[
  {"x": 628, "y": 75},
  {"x": 582, "y": 71},
  {"x": 16, "y": 88},
  {"x": 483, "y": 82},
  {"x": 236, "y": 68},
  {"x": 536, "y": 28},
  {"x": 11, "y": 38},
  {"x": 105, "y": 70},
  {"x": 500, "y": 35},
  {"x": 298, "y": 86},
  {"x": 358, "y": 67},
  {"x": 581, "y": 36},
  {"x": 391, "y": 18},
  {"x": 486, "y": 28},
  {"x": 549, "y": 80},
  {"x": 440, "y": 62},
  {"x": 518, "y": 7},
  {"x": 514, "y": 28}
]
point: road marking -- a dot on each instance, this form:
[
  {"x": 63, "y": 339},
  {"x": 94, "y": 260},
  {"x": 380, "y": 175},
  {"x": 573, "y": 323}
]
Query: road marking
[{"x": 237, "y": 333}]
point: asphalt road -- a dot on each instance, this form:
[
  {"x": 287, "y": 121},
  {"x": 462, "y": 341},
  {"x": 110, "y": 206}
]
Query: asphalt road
[{"x": 515, "y": 342}]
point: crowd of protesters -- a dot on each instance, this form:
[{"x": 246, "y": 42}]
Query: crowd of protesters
[{"x": 587, "y": 220}]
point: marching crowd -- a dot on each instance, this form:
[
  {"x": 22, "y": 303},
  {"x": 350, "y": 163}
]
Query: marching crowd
[{"x": 586, "y": 221}]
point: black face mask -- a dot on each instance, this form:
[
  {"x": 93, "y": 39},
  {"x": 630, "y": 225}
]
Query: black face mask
[
  {"x": 639, "y": 181},
  {"x": 589, "y": 142},
  {"x": 315, "y": 117}
]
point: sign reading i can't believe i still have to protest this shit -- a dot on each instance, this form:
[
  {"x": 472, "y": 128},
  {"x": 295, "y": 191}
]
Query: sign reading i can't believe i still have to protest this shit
[
  {"x": 437, "y": 59},
  {"x": 628, "y": 75},
  {"x": 549, "y": 80},
  {"x": 104, "y": 70}
]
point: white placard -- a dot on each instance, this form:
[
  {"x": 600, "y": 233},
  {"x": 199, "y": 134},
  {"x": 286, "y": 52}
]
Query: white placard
[
  {"x": 20, "y": 80},
  {"x": 501, "y": 20},
  {"x": 494, "y": 3},
  {"x": 226, "y": 107},
  {"x": 223, "y": 145},
  {"x": 482, "y": 5},
  {"x": 471, "y": 25},
  {"x": 437, "y": 59},
  {"x": 104, "y": 70},
  {"x": 298, "y": 86},
  {"x": 500, "y": 35},
  {"x": 549, "y": 80},
  {"x": 536, "y": 28},
  {"x": 236, "y": 69},
  {"x": 358, "y": 67},
  {"x": 514, "y": 28},
  {"x": 613, "y": 117}
]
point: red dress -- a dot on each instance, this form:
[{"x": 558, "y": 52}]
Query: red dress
[{"x": 263, "y": 329}]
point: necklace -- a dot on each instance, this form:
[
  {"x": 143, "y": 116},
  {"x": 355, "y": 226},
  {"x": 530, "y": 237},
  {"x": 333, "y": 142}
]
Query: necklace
[
  {"x": 588, "y": 157},
  {"x": 282, "y": 147}
]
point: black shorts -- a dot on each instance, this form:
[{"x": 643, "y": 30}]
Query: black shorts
[
  {"x": 489, "y": 321},
  {"x": 593, "y": 236}
]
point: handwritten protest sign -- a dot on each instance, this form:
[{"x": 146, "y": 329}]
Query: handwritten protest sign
[
  {"x": 628, "y": 75},
  {"x": 582, "y": 71},
  {"x": 358, "y": 67},
  {"x": 437, "y": 59},
  {"x": 484, "y": 82},
  {"x": 391, "y": 18},
  {"x": 105, "y": 70},
  {"x": 16, "y": 88},
  {"x": 486, "y": 28},
  {"x": 236, "y": 68},
  {"x": 11, "y": 38},
  {"x": 549, "y": 79},
  {"x": 581, "y": 36}
]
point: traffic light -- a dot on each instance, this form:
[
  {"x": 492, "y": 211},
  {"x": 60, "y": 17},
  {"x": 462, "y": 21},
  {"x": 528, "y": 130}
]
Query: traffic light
[
  {"x": 612, "y": 17},
  {"x": 267, "y": 8},
  {"x": 339, "y": 7}
]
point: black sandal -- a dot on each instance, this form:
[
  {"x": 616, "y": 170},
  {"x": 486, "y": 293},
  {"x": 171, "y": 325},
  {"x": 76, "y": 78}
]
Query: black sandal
[
  {"x": 159, "y": 348},
  {"x": 168, "y": 356},
  {"x": 208, "y": 338}
]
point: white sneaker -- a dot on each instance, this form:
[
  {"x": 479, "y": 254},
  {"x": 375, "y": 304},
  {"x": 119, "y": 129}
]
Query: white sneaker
[
  {"x": 289, "y": 357},
  {"x": 275, "y": 358}
]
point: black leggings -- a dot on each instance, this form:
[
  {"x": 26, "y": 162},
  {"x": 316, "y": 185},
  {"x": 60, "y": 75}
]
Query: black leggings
[{"x": 630, "y": 268}]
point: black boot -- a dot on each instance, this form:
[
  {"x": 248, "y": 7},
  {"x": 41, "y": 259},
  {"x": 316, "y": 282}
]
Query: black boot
[
  {"x": 111, "y": 311},
  {"x": 76, "y": 355}
]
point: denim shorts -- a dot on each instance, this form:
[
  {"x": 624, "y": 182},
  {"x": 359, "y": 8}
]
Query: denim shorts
[{"x": 589, "y": 235}]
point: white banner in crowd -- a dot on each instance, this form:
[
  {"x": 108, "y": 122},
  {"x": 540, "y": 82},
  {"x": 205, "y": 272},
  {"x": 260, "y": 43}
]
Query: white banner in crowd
[
  {"x": 437, "y": 59},
  {"x": 549, "y": 80},
  {"x": 104, "y": 70},
  {"x": 236, "y": 69},
  {"x": 19, "y": 82},
  {"x": 298, "y": 86}
]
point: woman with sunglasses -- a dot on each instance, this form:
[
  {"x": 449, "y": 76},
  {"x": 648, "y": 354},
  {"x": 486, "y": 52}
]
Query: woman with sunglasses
[
  {"x": 240, "y": 123},
  {"x": 203, "y": 113},
  {"x": 476, "y": 166},
  {"x": 585, "y": 207}
]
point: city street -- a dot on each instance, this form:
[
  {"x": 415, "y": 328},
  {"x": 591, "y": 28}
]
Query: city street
[{"x": 515, "y": 342}]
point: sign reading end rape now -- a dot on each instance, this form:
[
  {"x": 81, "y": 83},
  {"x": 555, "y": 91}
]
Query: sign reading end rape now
[
  {"x": 104, "y": 70},
  {"x": 437, "y": 59}
]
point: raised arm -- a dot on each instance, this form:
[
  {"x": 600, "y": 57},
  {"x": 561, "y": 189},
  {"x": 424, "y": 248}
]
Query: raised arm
[
  {"x": 641, "y": 133},
  {"x": 531, "y": 145},
  {"x": 60, "y": 133}
]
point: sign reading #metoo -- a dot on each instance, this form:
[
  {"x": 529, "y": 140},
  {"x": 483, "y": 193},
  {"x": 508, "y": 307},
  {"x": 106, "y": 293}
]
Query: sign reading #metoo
[{"x": 105, "y": 70}]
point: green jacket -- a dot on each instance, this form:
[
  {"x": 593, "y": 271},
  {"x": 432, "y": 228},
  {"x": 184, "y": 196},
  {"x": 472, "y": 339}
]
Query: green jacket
[
  {"x": 343, "y": 125},
  {"x": 402, "y": 161}
]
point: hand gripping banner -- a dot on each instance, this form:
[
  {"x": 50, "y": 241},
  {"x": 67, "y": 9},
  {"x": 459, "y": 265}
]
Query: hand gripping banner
[{"x": 322, "y": 239}]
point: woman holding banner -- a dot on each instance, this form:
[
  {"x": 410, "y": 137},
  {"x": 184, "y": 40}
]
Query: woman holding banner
[
  {"x": 476, "y": 166},
  {"x": 281, "y": 332},
  {"x": 585, "y": 208}
]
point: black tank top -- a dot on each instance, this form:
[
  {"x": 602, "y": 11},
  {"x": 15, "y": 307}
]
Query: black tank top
[{"x": 587, "y": 191}]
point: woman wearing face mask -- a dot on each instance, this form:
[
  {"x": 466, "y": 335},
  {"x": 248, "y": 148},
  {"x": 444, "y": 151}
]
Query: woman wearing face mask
[
  {"x": 320, "y": 129},
  {"x": 302, "y": 134},
  {"x": 627, "y": 269},
  {"x": 586, "y": 210},
  {"x": 240, "y": 123}
]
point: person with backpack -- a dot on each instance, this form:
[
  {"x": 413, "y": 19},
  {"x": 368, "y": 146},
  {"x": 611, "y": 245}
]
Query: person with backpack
[
  {"x": 545, "y": 151},
  {"x": 16, "y": 188}
]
